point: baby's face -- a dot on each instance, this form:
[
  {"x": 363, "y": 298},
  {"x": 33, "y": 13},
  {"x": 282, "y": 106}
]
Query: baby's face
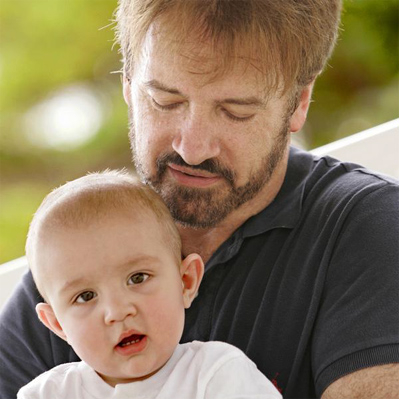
[{"x": 117, "y": 292}]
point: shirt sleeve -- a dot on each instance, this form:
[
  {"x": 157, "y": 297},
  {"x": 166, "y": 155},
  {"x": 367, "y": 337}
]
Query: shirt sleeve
[
  {"x": 358, "y": 319},
  {"x": 239, "y": 378},
  {"x": 22, "y": 394},
  {"x": 27, "y": 347}
]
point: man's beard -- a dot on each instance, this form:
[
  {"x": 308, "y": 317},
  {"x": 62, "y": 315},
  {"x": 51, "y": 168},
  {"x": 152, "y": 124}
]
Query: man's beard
[{"x": 207, "y": 207}]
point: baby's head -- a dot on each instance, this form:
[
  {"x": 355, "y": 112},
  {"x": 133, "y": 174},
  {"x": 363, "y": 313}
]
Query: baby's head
[{"x": 106, "y": 257}]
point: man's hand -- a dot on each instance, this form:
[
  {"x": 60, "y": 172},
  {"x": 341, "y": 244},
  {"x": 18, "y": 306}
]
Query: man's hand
[{"x": 378, "y": 382}]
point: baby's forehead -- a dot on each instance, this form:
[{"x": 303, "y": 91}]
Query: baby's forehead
[
  {"x": 102, "y": 198},
  {"x": 117, "y": 227},
  {"x": 89, "y": 206},
  {"x": 135, "y": 220},
  {"x": 67, "y": 222}
]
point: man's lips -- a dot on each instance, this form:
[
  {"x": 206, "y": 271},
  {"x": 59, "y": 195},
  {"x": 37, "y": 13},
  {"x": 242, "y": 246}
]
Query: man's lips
[{"x": 193, "y": 177}]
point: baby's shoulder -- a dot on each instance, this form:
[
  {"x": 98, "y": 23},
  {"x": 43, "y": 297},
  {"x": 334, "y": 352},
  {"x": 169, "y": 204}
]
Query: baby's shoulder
[
  {"x": 212, "y": 351},
  {"x": 51, "y": 382}
]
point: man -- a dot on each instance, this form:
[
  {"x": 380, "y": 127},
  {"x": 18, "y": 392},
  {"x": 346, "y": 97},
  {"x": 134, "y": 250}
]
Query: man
[{"x": 301, "y": 253}]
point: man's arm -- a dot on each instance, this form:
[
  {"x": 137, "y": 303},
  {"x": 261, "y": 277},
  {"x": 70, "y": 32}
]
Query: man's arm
[
  {"x": 371, "y": 383},
  {"x": 357, "y": 327},
  {"x": 27, "y": 348}
]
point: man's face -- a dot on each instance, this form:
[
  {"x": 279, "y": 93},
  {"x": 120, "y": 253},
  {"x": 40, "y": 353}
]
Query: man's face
[{"x": 205, "y": 145}]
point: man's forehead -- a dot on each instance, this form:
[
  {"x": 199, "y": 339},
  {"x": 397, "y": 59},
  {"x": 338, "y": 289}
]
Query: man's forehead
[
  {"x": 197, "y": 54},
  {"x": 162, "y": 69},
  {"x": 194, "y": 55}
]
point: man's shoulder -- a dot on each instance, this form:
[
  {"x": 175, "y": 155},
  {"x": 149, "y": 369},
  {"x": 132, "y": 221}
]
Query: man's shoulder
[
  {"x": 335, "y": 179},
  {"x": 315, "y": 186},
  {"x": 321, "y": 164},
  {"x": 337, "y": 192}
]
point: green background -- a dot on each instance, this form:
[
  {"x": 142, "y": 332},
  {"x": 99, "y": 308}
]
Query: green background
[{"x": 47, "y": 46}]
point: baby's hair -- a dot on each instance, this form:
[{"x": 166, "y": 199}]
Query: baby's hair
[{"x": 94, "y": 197}]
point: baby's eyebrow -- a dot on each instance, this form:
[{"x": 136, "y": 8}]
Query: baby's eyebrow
[
  {"x": 71, "y": 284},
  {"x": 131, "y": 264},
  {"x": 139, "y": 261}
]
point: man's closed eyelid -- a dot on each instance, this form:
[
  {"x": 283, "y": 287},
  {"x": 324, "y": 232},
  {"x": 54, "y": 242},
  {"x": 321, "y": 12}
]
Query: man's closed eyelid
[
  {"x": 167, "y": 106},
  {"x": 237, "y": 118}
]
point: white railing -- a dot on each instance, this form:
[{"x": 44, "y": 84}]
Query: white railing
[
  {"x": 376, "y": 148},
  {"x": 10, "y": 273}
]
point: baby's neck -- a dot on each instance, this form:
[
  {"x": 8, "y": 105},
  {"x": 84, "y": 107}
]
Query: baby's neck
[{"x": 114, "y": 381}]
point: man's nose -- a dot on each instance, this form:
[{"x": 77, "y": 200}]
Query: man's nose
[
  {"x": 118, "y": 307},
  {"x": 196, "y": 139}
]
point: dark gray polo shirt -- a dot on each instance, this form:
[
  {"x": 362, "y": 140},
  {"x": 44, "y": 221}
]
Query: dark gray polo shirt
[{"x": 308, "y": 288}]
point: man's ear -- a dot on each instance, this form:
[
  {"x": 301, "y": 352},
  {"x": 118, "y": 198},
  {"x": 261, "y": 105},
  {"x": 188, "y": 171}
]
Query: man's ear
[
  {"x": 127, "y": 90},
  {"x": 298, "y": 118},
  {"x": 48, "y": 318},
  {"x": 192, "y": 270}
]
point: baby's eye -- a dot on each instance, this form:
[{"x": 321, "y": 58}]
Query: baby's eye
[
  {"x": 138, "y": 278},
  {"x": 86, "y": 296}
]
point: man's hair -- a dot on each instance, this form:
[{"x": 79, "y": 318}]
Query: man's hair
[
  {"x": 288, "y": 40},
  {"x": 95, "y": 196}
]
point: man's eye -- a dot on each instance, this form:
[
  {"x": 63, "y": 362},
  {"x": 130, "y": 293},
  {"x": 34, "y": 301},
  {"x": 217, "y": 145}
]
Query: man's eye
[
  {"x": 86, "y": 297},
  {"x": 237, "y": 118},
  {"x": 138, "y": 278},
  {"x": 166, "y": 107}
]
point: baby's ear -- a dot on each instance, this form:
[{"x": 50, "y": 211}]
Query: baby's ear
[
  {"x": 48, "y": 318},
  {"x": 192, "y": 270}
]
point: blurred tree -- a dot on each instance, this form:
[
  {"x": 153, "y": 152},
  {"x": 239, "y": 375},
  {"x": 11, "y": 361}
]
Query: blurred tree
[
  {"x": 49, "y": 46},
  {"x": 360, "y": 87},
  {"x": 46, "y": 46}
]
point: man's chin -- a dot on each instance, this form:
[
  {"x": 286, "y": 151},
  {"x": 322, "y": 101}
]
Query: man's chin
[
  {"x": 193, "y": 221},
  {"x": 198, "y": 209}
]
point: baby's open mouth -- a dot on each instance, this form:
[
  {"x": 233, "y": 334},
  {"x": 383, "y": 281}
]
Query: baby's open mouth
[{"x": 130, "y": 340}]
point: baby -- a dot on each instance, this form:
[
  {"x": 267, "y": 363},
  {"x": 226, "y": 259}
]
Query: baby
[{"x": 106, "y": 257}]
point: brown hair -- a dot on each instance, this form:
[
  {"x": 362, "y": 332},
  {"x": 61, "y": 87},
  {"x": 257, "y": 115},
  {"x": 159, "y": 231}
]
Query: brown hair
[
  {"x": 96, "y": 195},
  {"x": 288, "y": 40}
]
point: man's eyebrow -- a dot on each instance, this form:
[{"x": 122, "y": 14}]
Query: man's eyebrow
[
  {"x": 253, "y": 101},
  {"x": 155, "y": 84}
]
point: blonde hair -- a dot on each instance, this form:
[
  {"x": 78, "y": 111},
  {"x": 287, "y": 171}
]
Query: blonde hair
[
  {"x": 288, "y": 40},
  {"x": 97, "y": 195}
]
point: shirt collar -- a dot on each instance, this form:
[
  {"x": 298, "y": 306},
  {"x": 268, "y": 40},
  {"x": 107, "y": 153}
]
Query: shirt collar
[{"x": 285, "y": 210}]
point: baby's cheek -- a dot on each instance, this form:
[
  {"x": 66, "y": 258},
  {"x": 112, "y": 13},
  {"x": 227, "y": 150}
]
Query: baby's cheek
[
  {"x": 171, "y": 318},
  {"x": 83, "y": 338}
]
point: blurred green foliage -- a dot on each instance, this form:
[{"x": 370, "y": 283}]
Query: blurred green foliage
[{"x": 46, "y": 45}]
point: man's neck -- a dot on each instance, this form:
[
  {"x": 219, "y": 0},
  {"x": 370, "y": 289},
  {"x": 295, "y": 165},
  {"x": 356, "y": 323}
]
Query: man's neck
[{"x": 206, "y": 241}]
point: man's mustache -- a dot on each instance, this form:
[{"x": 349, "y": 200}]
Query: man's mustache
[{"x": 209, "y": 165}]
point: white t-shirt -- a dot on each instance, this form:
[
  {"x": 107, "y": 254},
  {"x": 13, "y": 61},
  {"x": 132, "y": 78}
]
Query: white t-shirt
[{"x": 196, "y": 370}]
